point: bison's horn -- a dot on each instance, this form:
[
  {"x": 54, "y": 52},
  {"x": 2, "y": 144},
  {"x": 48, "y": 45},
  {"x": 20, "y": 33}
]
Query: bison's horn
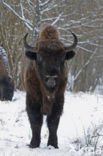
[
  {"x": 28, "y": 47},
  {"x": 73, "y": 46}
]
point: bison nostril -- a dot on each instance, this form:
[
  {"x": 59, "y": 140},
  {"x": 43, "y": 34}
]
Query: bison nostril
[{"x": 51, "y": 82}]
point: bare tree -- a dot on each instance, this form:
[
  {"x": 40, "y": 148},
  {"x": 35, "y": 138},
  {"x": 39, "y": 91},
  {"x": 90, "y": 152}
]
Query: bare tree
[{"x": 82, "y": 17}]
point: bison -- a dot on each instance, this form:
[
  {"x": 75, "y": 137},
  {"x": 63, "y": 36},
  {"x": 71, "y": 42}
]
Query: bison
[
  {"x": 44, "y": 77},
  {"x": 6, "y": 82}
]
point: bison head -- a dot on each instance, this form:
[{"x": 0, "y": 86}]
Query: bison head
[{"x": 50, "y": 57}]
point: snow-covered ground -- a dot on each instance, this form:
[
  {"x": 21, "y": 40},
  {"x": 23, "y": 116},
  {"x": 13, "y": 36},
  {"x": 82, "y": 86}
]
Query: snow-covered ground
[{"x": 79, "y": 133}]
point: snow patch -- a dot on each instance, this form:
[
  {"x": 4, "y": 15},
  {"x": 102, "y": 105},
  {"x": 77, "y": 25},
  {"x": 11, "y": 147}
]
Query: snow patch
[{"x": 81, "y": 113}]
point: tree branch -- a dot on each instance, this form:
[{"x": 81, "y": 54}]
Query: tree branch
[
  {"x": 57, "y": 19},
  {"x": 26, "y": 21}
]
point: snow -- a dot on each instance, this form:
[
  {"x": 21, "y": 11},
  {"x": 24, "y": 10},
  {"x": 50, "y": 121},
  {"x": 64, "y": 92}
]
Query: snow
[{"x": 82, "y": 117}]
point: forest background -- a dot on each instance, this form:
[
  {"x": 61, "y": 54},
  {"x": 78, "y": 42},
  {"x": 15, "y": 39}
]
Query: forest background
[{"x": 83, "y": 17}]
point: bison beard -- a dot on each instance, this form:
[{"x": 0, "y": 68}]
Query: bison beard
[{"x": 44, "y": 76}]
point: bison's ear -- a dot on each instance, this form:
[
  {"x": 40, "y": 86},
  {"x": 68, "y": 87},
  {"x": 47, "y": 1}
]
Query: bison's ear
[
  {"x": 31, "y": 55},
  {"x": 69, "y": 55}
]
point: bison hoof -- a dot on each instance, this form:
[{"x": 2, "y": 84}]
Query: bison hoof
[
  {"x": 33, "y": 145},
  {"x": 52, "y": 147},
  {"x": 53, "y": 144}
]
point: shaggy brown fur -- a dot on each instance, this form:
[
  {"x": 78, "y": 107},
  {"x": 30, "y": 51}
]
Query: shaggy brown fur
[
  {"x": 50, "y": 45},
  {"x": 49, "y": 39},
  {"x": 48, "y": 32}
]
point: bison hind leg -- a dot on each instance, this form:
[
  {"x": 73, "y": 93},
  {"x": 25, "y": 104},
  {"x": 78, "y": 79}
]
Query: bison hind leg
[{"x": 6, "y": 89}]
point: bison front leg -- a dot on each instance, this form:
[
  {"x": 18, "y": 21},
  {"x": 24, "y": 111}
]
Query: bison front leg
[
  {"x": 53, "y": 126},
  {"x": 53, "y": 121},
  {"x": 35, "y": 118}
]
